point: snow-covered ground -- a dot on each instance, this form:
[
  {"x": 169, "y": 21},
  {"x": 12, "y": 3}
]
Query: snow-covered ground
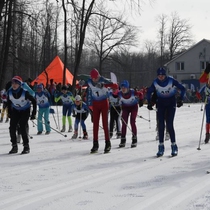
[{"x": 61, "y": 174}]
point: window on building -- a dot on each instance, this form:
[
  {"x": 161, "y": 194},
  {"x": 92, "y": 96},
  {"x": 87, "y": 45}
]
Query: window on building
[
  {"x": 203, "y": 65},
  {"x": 179, "y": 66}
]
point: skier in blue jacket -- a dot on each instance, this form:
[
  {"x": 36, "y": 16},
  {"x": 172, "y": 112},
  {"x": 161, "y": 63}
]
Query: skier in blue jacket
[{"x": 166, "y": 89}]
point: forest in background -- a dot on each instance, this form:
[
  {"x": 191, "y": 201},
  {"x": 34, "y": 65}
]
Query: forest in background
[{"x": 85, "y": 34}]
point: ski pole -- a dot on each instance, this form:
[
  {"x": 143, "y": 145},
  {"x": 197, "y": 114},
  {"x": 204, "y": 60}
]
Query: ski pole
[
  {"x": 55, "y": 121},
  {"x": 143, "y": 118},
  {"x": 202, "y": 107},
  {"x": 122, "y": 119},
  {"x": 58, "y": 116},
  {"x": 53, "y": 112},
  {"x": 52, "y": 128},
  {"x": 149, "y": 119},
  {"x": 199, "y": 143},
  {"x": 33, "y": 123},
  {"x": 80, "y": 125}
]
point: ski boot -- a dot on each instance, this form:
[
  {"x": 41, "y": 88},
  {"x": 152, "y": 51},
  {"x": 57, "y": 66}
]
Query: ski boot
[
  {"x": 14, "y": 149},
  {"x": 63, "y": 128},
  {"x": 167, "y": 136},
  {"x": 95, "y": 147},
  {"x": 85, "y": 135},
  {"x": 207, "y": 138},
  {"x": 74, "y": 135},
  {"x": 107, "y": 146},
  {"x": 39, "y": 132},
  {"x": 161, "y": 150},
  {"x": 47, "y": 132},
  {"x": 110, "y": 135},
  {"x": 7, "y": 120},
  {"x": 123, "y": 141},
  {"x": 1, "y": 120},
  {"x": 134, "y": 142},
  {"x": 70, "y": 128},
  {"x": 26, "y": 149},
  {"x": 174, "y": 150}
]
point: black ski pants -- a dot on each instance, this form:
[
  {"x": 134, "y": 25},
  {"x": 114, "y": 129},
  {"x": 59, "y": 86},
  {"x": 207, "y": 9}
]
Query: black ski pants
[{"x": 21, "y": 118}]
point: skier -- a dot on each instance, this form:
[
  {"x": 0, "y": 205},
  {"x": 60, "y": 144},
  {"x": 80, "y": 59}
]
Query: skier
[
  {"x": 98, "y": 94},
  {"x": 129, "y": 99},
  {"x": 4, "y": 108},
  {"x": 19, "y": 112},
  {"x": 115, "y": 111},
  {"x": 80, "y": 111},
  {"x": 67, "y": 100},
  {"x": 43, "y": 101},
  {"x": 166, "y": 102},
  {"x": 206, "y": 89}
]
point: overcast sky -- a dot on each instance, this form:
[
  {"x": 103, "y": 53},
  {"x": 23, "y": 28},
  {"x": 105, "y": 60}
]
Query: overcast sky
[{"x": 196, "y": 11}]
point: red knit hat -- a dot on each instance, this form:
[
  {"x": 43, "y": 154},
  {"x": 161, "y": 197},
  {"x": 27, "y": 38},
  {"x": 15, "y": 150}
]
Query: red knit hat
[
  {"x": 94, "y": 74},
  {"x": 17, "y": 79}
]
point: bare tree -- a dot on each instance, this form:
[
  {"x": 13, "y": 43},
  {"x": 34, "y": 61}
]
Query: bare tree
[
  {"x": 179, "y": 35},
  {"x": 2, "y": 2},
  {"x": 108, "y": 34},
  {"x": 5, "y": 46},
  {"x": 162, "y": 19}
]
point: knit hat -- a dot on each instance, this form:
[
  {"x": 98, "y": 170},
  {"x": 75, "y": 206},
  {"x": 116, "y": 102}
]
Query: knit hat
[
  {"x": 161, "y": 71},
  {"x": 17, "y": 79},
  {"x": 115, "y": 86},
  {"x": 94, "y": 74},
  {"x": 39, "y": 86},
  {"x": 125, "y": 84},
  {"x": 64, "y": 87},
  {"x": 78, "y": 98}
]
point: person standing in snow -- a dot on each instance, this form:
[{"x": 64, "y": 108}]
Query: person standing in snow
[
  {"x": 165, "y": 88},
  {"x": 115, "y": 111},
  {"x": 129, "y": 99},
  {"x": 206, "y": 89},
  {"x": 19, "y": 103},
  {"x": 80, "y": 111},
  {"x": 98, "y": 94},
  {"x": 67, "y": 100},
  {"x": 43, "y": 101},
  {"x": 4, "y": 108}
]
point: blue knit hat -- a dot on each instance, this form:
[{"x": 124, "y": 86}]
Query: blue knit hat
[
  {"x": 39, "y": 86},
  {"x": 125, "y": 84},
  {"x": 161, "y": 71}
]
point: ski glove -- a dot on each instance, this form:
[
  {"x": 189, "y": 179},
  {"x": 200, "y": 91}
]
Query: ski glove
[
  {"x": 179, "y": 103},
  {"x": 149, "y": 106},
  {"x": 52, "y": 111}
]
